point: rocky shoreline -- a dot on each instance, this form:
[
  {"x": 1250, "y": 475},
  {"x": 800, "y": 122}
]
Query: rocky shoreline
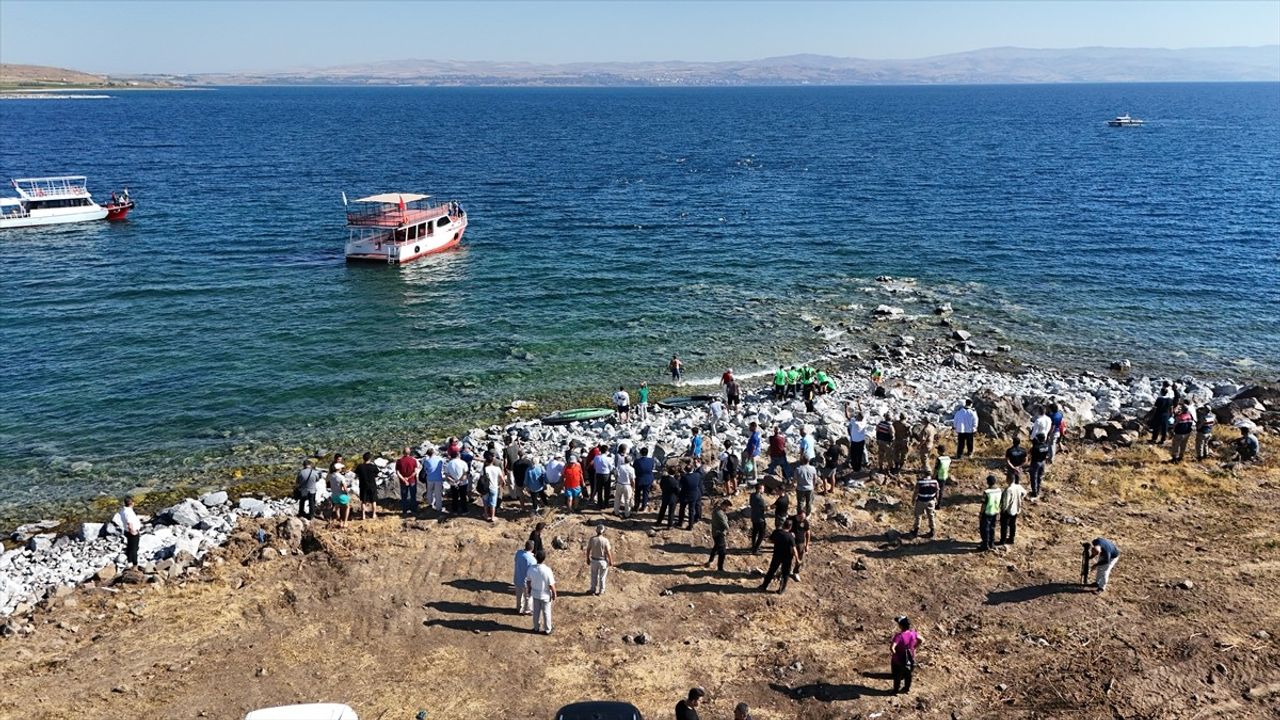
[{"x": 932, "y": 382}]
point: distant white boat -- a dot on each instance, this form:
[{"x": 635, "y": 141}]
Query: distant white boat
[{"x": 1124, "y": 121}]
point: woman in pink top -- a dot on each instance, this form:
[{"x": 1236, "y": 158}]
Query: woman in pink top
[{"x": 902, "y": 659}]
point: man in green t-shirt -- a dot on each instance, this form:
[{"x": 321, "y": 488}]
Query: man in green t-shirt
[
  {"x": 780, "y": 383},
  {"x": 642, "y": 407},
  {"x": 793, "y": 382}
]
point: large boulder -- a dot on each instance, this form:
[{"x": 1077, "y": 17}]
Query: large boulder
[
  {"x": 90, "y": 531},
  {"x": 214, "y": 499},
  {"x": 1268, "y": 395},
  {"x": 999, "y": 415},
  {"x": 187, "y": 513}
]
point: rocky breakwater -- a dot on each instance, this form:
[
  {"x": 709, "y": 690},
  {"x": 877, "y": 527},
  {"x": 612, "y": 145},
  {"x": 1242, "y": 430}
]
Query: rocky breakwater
[{"x": 174, "y": 541}]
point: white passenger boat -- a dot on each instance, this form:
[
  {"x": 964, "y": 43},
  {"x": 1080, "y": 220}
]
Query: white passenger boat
[
  {"x": 397, "y": 228},
  {"x": 58, "y": 200},
  {"x": 1124, "y": 121}
]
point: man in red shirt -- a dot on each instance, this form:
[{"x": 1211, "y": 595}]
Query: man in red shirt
[
  {"x": 572, "y": 477},
  {"x": 407, "y": 474},
  {"x": 778, "y": 453}
]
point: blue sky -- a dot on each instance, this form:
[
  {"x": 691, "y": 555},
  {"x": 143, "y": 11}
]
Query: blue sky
[{"x": 117, "y": 36}]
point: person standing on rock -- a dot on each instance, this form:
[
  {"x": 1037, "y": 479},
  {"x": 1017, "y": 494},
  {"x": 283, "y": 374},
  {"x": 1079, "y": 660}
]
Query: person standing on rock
[
  {"x": 339, "y": 494},
  {"x": 793, "y": 382},
  {"x": 131, "y": 526},
  {"x": 642, "y": 402},
  {"x": 625, "y": 478},
  {"x": 1204, "y": 435},
  {"x": 784, "y": 557},
  {"x": 988, "y": 514},
  {"x": 926, "y": 437},
  {"x": 1161, "y": 412},
  {"x": 407, "y": 474},
  {"x": 716, "y": 413},
  {"x": 1184, "y": 424},
  {"x": 553, "y": 473},
  {"x": 458, "y": 472},
  {"x": 308, "y": 480},
  {"x": 622, "y": 405},
  {"x": 677, "y": 369},
  {"x": 901, "y": 442},
  {"x": 729, "y": 464},
  {"x": 669, "y": 484},
  {"x": 830, "y": 467},
  {"x": 367, "y": 475},
  {"x": 572, "y": 483},
  {"x": 942, "y": 471},
  {"x": 780, "y": 383},
  {"x": 733, "y": 395},
  {"x": 808, "y": 445},
  {"x": 1108, "y": 554},
  {"x": 759, "y": 509},
  {"x": 778, "y": 453},
  {"x": 645, "y": 469},
  {"x": 725, "y": 378},
  {"x": 695, "y": 445},
  {"x": 806, "y": 480},
  {"x": 857, "y": 438},
  {"x": 719, "y": 535},
  {"x": 751, "y": 452},
  {"x": 965, "y": 423},
  {"x": 1041, "y": 454},
  {"x": 902, "y": 655},
  {"x": 492, "y": 477},
  {"x": 884, "y": 443},
  {"x": 599, "y": 559},
  {"x": 540, "y": 584},
  {"x": 524, "y": 560},
  {"x": 925, "y": 499},
  {"x": 1011, "y": 508},
  {"x": 1058, "y": 431},
  {"x": 601, "y": 476}
]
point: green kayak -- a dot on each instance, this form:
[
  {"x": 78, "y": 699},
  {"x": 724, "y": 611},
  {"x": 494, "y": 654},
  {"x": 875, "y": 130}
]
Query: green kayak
[
  {"x": 686, "y": 401},
  {"x": 564, "y": 417}
]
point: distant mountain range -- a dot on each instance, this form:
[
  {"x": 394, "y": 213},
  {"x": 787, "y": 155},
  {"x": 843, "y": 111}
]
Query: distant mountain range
[{"x": 992, "y": 65}]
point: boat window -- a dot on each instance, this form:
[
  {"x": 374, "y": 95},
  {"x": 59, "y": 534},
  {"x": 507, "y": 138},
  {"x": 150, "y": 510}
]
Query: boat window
[
  {"x": 400, "y": 235},
  {"x": 442, "y": 222},
  {"x": 413, "y": 233}
]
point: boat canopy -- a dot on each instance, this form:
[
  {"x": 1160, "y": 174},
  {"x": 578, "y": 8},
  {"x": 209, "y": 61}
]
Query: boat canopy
[
  {"x": 393, "y": 198},
  {"x": 51, "y": 188}
]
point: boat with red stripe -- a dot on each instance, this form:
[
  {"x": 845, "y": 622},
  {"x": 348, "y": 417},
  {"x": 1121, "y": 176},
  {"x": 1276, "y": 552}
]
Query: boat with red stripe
[{"x": 397, "y": 228}]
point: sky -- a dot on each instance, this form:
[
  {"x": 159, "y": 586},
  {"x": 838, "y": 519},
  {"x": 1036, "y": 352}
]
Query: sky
[{"x": 122, "y": 36}]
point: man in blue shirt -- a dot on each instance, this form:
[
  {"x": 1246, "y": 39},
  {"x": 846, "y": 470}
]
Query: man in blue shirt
[
  {"x": 524, "y": 561},
  {"x": 432, "y": 475},
  {"x": 645, "y": 467},
  {"x": 1107, "y": 554},
  {"x": 534, "y": 483},
  {"x": 751, "y": 452}
]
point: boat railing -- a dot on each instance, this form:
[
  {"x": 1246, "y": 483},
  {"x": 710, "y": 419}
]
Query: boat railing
[
  {"x": 391, "y": 216},
  {"x": 52, "y": 187},
  {"x": 19, "y": 212}
]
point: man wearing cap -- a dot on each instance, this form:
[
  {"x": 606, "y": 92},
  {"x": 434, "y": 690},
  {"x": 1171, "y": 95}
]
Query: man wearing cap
[{"x": 719, "y": 535}]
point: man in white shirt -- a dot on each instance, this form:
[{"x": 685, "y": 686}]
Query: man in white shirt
[
  {"x": 1011, "y": 507},
  {"x": 540, "y": 585},
  {"x": 965, "y": 423},
  {"x": 716, "y": 408},
  {"x": 132, "y": 528},
  {"x": 554, "y": 471},
  {"x": 625, "y": 477},
  {"x": 622, "y": 404},
  {"x": 857, "y": 438},
  {"x": 1041, "y": 425},
  {"x": 603, "y": 468},
  {"x": 459, "y": 477}
]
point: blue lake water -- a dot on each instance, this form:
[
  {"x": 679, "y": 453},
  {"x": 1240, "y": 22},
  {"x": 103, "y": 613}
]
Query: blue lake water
[{"x": 609, "y": 229}]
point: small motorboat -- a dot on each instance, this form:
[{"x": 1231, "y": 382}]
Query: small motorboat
[
  {"x": 1124, "y": 121},
  {"x": 564, "y": 417}
]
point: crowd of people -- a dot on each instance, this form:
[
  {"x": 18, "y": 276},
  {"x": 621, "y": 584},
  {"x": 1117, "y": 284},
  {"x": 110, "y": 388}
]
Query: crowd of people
[{"x": 628, "y": 480}]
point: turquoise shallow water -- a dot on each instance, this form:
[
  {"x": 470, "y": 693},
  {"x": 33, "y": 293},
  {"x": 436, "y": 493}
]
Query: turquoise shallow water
[{"x": 609, "y": 228}]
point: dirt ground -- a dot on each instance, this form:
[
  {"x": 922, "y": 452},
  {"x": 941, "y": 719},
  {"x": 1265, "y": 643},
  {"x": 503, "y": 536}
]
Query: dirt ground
[{"x": 394, "y": 617}]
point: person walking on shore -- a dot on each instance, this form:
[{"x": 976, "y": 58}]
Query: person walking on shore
[
  {"x": 307, "y": 482},
  {"x": 729, "y": 468},
  {"x": 572, "y": 483},
  {"x": 1161, "y": 411},
  {"x": 645, "y": 469},
  {"x": 524, "y": 561},
  {"x": 677, "y": 369},
  {"x": 801, "y": 531},
  {"x": 778, "y": 453},
  {"x": 695, "y": 445},
  {"x": 942, "y": 471},
  {"x": 624, "y": 498},
  {"x": 759, "y": 509},
  {"x": 1058, "y": 421},
  {"x": 131, "y": 526},
  {"x": 339, "y": 494},
  {"x": 830, "y": 468},
  {"x": 926, "y": 435},
  {"x": 622, "y": 405},
  {"x": 902, "y": 655},
  {"x": 733, "y": 395},
  {"x": 857, "y": 438},
  {"x": 784, "y": 557},
  {"x": 642, "y": 402},
  {"x": 669, "y": 484},
  {"x": 751, "y": 452},
  {"x": 965, "y": 423},
  {"x": 458, "y": 473},
  {"x": 690, "y": 494},
  {"x": 925, "y": 500},
  {"x": 1042, "y": 424},
  {"x": 806, "y": 480},
  {"x": 901, "y": 442},
  {"x": 1041, "y": 455},
  {"x": 407, "y": 475},
  {"x": 367, "y": 478},
  {"x": 492, "y": 477},
  {"x": 988, "y": 513},
  {"x": 1107, "y": 554},
  {"x": 884, "y": 443},
  {"x": 719, "y": 535},
  {"x": 1010, "y": 508},
  {"x": 540, "y": 584},
  {"x": 1204, "y": 435},
  {"x": 599, "y": 559}
]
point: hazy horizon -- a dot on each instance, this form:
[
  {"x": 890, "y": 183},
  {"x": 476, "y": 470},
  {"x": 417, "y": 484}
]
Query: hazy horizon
[{"x": 234, "y": 37}]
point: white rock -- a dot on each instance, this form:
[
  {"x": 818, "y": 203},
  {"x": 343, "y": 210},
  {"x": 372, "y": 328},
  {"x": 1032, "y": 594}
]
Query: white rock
[{"x": 214, "y": 499}]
